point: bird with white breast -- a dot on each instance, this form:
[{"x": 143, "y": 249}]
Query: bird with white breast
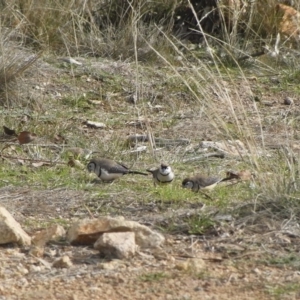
[
  {"x": 109, "y": 170},
  {"x": 163, "y": 174}
]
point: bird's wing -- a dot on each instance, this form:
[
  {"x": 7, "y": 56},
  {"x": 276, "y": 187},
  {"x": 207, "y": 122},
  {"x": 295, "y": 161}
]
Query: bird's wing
[
  {"x": 122, "y": 165},
  {"x": 119, "y": 169},
  {"x": 209, "y": 181},
  {"x": 152, "y": 171}
]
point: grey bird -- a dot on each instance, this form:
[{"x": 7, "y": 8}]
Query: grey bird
[
  {"x": 163, "y": 174},
  {"x": 109, "y": 170},
  {"x": 200, "y": 182}
]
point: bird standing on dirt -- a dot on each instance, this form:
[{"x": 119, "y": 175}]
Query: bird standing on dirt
[
  {"x": 161, "y": 175},
  {"x": 200, "y": 182},
  {"x": 109, "y": 170}
]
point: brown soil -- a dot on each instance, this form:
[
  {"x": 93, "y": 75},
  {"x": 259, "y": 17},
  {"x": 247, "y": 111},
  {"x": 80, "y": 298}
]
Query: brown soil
[{"x": 252, "y": 258}]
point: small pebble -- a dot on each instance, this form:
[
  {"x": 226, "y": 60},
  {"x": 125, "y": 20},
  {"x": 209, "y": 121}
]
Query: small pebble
[{"x": 288, "y": 101}]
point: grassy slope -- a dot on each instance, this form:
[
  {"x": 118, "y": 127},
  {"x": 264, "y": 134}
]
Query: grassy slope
[{"x": 181, "y": 94}]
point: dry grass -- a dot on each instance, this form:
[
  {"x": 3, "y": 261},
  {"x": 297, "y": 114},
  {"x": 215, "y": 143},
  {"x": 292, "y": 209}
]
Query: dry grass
[
  {"x": 14, "y": 61},
  {"x": 113, "y": 27},
  {"x": 200, "y": 92},
  {"x": 210, "y": 77}
]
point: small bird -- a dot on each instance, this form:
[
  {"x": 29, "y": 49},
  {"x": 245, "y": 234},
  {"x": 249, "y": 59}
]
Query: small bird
[
  {"x": 163, "y": 174},
  {"x": 200, "y": 182},
  {"x": 109, "y": 170}
]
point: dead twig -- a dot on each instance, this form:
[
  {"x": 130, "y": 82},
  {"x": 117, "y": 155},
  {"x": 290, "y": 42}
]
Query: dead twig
[
  {"x": 159, "y": 142},
  {"x": 33, "y": 160},
  {"x": 33, "y": 144},
  {"x": 205, "y": 156},
  {"x": 88, "y": 210}
]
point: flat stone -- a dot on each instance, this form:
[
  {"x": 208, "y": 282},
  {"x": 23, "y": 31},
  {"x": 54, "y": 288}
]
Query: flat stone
[
  {"x": 87, "y": 231},
  {"x": 117, "y": 244}
]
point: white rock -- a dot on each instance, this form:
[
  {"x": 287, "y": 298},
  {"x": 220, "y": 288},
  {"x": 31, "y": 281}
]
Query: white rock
[
  {"x": 11, "y": 231},
  {"x": 117, "y": 244},
  {"x": 95, "y": 124},
  {"x": 36, "y": 269},
  {"x": 22, "y": 269},
  {"x": 87, "y": 231}
]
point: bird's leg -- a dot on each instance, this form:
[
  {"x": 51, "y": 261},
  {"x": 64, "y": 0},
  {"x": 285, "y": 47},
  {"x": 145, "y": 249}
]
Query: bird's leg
[{"x": 207, "y": 196}]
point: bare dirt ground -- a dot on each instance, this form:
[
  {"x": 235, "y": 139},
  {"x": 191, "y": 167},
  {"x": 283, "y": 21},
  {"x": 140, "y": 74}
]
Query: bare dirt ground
[{"x": 252, "y": 257}]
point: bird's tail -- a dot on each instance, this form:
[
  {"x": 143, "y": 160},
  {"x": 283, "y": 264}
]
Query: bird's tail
[
  {"x": 137, "y": 172},
  {"x": 226, "y": 179}
]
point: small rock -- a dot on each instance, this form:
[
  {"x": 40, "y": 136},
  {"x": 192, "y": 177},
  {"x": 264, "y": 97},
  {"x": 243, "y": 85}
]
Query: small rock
[
  {"x": 36, "y": 269},
  {"x": 22, "y": 270},
  {"x": 117, "y": 244},
  {"x": 111, "y": 265},
  {"x": 87, "y": 231},
  {"x": 22, "y": 282},
  {"x": 182, "y": 265},
  {"x": 36, "y": 251},
  {"x": 11, "y": 231},
  {"x": 195, "y": 265},
  {"x": 288, "y": 101},
  {"x": 62, "y": 262},
  {"x": 44, "y": 236},
  {"x": 257, "y": 271}
]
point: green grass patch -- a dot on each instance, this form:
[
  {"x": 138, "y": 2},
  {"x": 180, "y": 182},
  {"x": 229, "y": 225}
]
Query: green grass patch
[
  {"x": 152, "y": 277},
  {"x": 199, "y": 224},
  {"x": 41, "y": 224},
  {"x": 284, "y": 290},
  {"x": 291, "y": 260}
]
